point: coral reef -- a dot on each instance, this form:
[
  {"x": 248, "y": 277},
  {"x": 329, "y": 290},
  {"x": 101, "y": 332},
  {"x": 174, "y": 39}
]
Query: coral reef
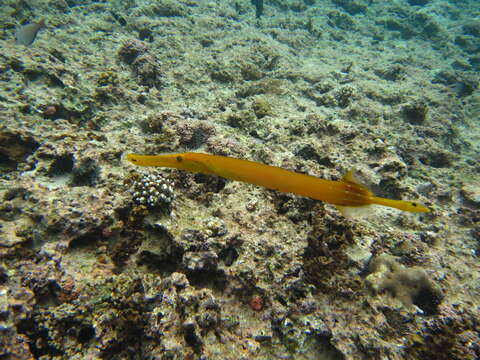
[
  {"x": 411, "y": 286},
  {"x": 152, "y": 190},
  {"x": 199, "y": 267}
]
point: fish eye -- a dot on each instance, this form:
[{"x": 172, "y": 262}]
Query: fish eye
[
  {"x": 179, "y": 159},
  {"x": 413, "y": 204}
]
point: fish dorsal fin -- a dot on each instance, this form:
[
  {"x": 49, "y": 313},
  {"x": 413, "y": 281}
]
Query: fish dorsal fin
[
  {"x": 355, "y": 211},
  {"x": 351, "y": 178}
]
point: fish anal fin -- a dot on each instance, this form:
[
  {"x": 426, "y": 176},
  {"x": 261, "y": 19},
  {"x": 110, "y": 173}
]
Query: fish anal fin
[{"x": 351, "y": 212}]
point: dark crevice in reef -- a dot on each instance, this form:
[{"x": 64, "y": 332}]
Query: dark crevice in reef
[
  {"x": 325, "y": 261},
  {"x": 37, "y": 337},
  {"x": 217, "y": 279},
  {"x": 61, "y": 165},
  {"x": 166, "y": 263},
  {"x": 86, "y": 173},
  {"x": 85, "y": 240},
  {"x": 15, "y": 149}
]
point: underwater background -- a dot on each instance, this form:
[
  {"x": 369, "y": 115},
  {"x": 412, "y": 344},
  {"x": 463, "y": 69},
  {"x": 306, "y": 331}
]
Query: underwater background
[{"x": 100, "y": 259}]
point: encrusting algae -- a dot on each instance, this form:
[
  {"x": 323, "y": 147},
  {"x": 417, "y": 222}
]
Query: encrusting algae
[{"x": 344, "y": 193}]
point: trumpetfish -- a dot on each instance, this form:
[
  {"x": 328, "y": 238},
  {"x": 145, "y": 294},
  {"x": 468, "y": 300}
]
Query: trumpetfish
[{"x": 343, "y": 193}]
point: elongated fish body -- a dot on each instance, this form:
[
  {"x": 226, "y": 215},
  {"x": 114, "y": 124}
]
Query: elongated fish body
[
  {"x": 26, "y": 34},
  {"x": 343, "y": 193}
]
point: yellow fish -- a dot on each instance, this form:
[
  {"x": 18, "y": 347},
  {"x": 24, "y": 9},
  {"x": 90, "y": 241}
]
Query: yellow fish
[{"x": 342, "y": 193}]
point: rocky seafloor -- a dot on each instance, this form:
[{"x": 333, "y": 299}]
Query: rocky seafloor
[{"x": 100, "y": 259}]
